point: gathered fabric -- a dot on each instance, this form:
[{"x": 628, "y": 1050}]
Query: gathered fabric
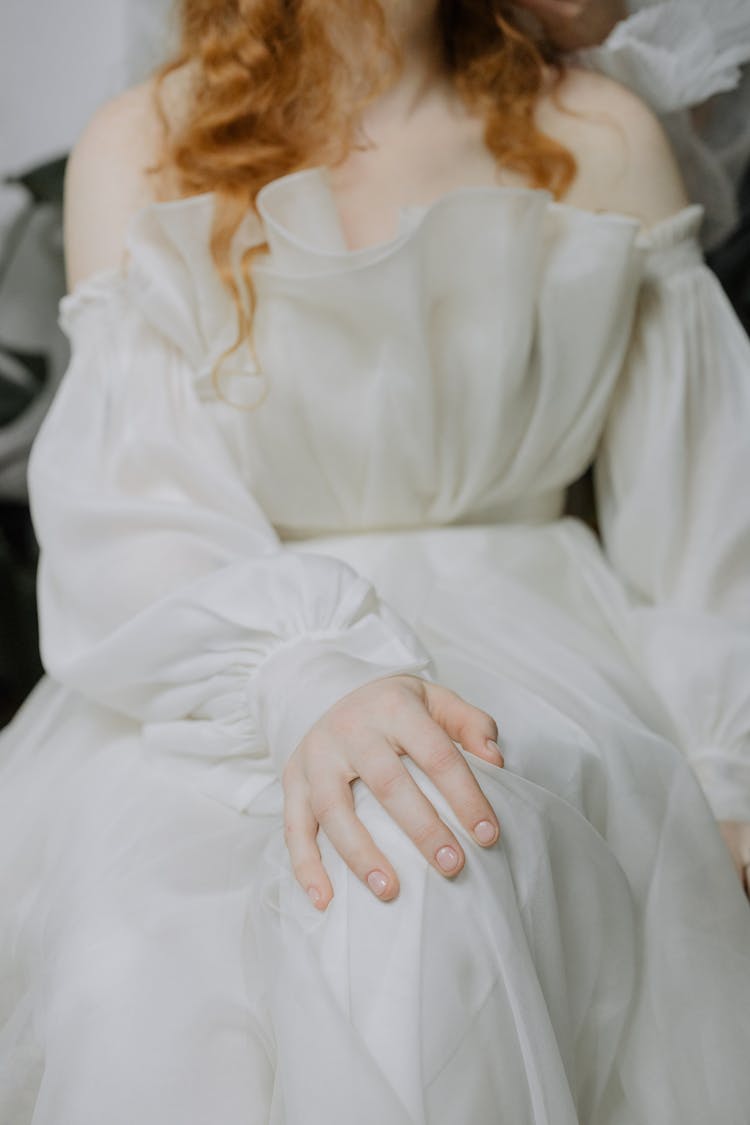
[{"x": 214, "y": 578}]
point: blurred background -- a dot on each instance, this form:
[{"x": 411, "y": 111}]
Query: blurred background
[{"x": 58, "y": 63}]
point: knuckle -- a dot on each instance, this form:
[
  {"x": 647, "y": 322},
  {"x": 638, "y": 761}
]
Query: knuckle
[
  {"x": 442, "y": 758},
  {"x": 475, "y": 720},
  {"x": 426, "y": 831},
  {"x": 344, "y": 721},
  {"x": 388, "y": 781},
  {"x": 415, "y": 689},
  {"x": 320, "y": 773},
  {"x": 465, "y": 727},
  {"x": 451, "y": 696},
  {"x": 395, "y": 696},
  {"x": 323, "y": 803},
  {"x": 315, "y": 741}
]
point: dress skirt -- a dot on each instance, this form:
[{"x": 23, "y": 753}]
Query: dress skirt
[{"x": 160, "y": 964}]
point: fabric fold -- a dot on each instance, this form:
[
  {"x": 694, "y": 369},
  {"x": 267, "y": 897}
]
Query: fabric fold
[
  {"x": 674, "y": 508},
  {"x": 180, "y": 541},
  {"x": 429, "y": 406},
  {"x": 163, "y": 587}
]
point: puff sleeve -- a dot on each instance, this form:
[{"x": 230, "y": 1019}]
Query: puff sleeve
[
  {"x": 672, "y": 479},
  {"x": 164, "y": 592}
]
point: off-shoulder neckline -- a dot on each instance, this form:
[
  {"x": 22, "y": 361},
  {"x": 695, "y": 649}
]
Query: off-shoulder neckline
[
  {"x": 655, "y": 237},
  {"x": 318, "y": 176}
]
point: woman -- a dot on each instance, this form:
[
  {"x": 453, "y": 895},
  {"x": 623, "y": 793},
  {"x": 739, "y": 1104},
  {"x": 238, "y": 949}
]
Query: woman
[
  {"x": 300, "y": 504},
  {"x": 685, "y": 58}
]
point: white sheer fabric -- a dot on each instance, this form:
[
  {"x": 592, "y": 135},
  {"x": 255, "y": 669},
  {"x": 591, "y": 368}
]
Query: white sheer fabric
[
  {"x": 688, "y": 60},
  {"x": 212, "y": 579}
]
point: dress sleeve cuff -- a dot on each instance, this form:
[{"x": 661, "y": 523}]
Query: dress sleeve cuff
[{"x": 301, "y": 679}]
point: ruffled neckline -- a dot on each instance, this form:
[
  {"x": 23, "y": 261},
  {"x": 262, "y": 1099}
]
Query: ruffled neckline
[
  {"x": 297, "y": 213},
  {"x": 171, "y": 278},
  {"x": 298, "y": 217}
]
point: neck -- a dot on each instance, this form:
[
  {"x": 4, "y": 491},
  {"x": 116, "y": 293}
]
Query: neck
[{"x": 413, "y": 25}]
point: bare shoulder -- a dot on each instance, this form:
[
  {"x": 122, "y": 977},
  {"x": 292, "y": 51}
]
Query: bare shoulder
[
  {"x": 625, "y": 161},
  {"x": 107, "y": 177}
]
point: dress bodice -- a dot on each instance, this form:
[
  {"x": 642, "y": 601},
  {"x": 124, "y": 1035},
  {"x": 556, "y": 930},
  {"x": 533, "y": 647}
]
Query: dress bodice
[
  {"x": 464, "y": 371},
  {"x": 456, "y": 373}
]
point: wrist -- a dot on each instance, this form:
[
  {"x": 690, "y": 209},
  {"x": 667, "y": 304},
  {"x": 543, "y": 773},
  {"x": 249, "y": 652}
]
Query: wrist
[{"x": 299, "y": 681}]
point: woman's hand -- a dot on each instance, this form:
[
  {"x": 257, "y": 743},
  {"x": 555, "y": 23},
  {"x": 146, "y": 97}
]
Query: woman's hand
[
  {"x": 364, "y": 735},
  {"x": 573, "y": 24},
  {"x": 736, "y": 835}
]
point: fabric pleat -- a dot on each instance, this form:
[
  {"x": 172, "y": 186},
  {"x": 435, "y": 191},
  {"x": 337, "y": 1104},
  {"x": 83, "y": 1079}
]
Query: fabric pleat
[{"x": 214, "y": 579}]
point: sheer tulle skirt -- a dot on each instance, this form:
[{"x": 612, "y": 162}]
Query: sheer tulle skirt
[{"x": 160, "y": 964}]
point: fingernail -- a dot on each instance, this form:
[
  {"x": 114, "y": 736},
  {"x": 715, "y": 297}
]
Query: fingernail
[
  {"x": 314, "y": 894},
  {"x": 493, "y": 746},
  {"x": 485, "y": 831},
  {"x": 447, "y": 857},
  {"x": 377, "y": 882}
]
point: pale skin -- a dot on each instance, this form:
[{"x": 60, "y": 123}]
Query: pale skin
[{"x": 423, "y": 144}]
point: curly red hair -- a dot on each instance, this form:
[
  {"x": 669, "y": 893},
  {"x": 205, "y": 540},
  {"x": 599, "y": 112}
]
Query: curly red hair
[{"x": 277, "y": 88}]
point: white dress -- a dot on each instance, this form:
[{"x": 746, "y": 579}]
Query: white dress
[{"x": 212, "y": 579}]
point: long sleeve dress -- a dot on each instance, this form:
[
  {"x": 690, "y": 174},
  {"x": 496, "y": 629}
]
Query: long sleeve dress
[{"x": 213, "y": 577}]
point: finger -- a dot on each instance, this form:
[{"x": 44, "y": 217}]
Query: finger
[
  {"x": 384, "y": 773},
  {"x": 431, "y": 747},
  {"x": 332, "y": 802},
  {"x": 300, "y": 835},
  {"x": 466, "y": 724}
]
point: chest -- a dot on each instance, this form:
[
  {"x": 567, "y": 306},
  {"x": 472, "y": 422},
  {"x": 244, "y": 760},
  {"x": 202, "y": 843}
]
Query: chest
[
  {"x": 454, "y": 372},
  {"x": 442, "y": 152}
]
